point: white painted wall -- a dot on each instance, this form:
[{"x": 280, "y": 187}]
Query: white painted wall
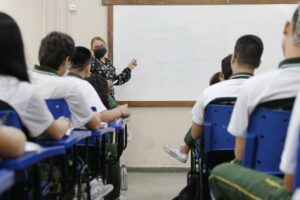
[{"x": 151, "y": 127}]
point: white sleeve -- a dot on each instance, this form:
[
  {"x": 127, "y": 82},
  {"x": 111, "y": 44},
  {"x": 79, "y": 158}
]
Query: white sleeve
[
  {"x": 36, "y": 118},
  {"x": 95, "y": 101},
  {"x": 80, "y": 110},
  {"x": 244, "y": 106},
  {"x": 289, "y": 155},
  {"x": 198, "y": 111}
]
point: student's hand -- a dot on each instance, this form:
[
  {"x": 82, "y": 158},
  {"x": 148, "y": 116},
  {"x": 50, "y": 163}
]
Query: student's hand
[
  {"x": 65, "y": 121},
  {"x": 110, "y": 84},
  {"x": 132, "y": 64},
  {"x": 124, "y": 110}
]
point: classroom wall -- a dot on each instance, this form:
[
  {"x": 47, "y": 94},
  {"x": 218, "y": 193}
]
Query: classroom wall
[{"x": 151, "y": 127}]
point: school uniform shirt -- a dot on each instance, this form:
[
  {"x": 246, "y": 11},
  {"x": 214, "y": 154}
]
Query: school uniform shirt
[
  {"x": 278, "y": 84},
  {"x": 52, "y": 86},
  {"x": 26, "y": 101},
  {"x": 225, "y": 89},
  {"x": 88, "y": 91},
  {"x": 289, "y": 154}
]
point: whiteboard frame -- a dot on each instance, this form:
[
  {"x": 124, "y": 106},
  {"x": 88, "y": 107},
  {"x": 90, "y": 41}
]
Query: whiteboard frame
[{"x": 110, "y": 12}]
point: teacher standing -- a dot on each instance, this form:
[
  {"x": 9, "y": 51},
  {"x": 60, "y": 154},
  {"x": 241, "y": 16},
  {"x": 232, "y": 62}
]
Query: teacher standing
[{"x": 103, "y": 66}]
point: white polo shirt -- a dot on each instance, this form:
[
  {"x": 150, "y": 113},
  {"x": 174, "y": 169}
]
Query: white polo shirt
[
  {"x": 278, "y": 84},
  {"x": 51, "y": 86},
  {"x": 88, "y": 91},
  {"x": 30, "y": 107},
  {"x": 229, "y": 88},
  {"x": 289, "y": 154}
]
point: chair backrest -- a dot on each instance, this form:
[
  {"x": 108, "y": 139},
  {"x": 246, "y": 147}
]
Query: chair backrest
[
  {"x": 58, "y": 108},
  {"x": 265, "y": 139},
  {"x": 8, "y": 116},
  {"x": 297, "y": 173},
  {"x": 216, "y": 121}
]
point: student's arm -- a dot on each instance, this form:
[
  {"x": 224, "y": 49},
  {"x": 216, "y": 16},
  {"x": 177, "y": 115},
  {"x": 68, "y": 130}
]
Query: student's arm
[
  {"x": 124, "y": 110},
  {"x": 111, "y": 115},
  {"x": 116, "y": 113},
  {"x": 289, "y": 182},
  {"x": 197, "y": 130},
  {"x": 12, "y": 142},
  {"x": 239, "y": 148},
  {"x": 58, "y": 128},
  {"x": 95, "y": 122}
]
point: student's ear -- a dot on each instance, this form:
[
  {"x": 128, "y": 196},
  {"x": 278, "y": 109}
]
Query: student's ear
[
  {"x": 222, "y": 76},
  {"x": 87, "y": 69},
  {"x": 233, "y": 59},
  {"x": 257, "y": 66},
  {"x": 286, "y": 28}
]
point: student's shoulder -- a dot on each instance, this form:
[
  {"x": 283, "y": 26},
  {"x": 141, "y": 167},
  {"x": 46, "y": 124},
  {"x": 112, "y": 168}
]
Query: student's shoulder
[{"x": 262, "y": 79}]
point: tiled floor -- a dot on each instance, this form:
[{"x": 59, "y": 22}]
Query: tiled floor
[{"x": 153, "y": 186}]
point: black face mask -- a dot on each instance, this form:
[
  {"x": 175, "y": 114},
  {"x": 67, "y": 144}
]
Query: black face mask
[{"x": 100, "y": 52}]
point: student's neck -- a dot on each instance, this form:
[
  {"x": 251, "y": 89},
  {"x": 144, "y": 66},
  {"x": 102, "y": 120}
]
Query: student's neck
[
  {"x": 81, "y": 74},
  {"x": 102, "y": 59},
  {"x": 243, "y": 69},
  {"x": 292, "y": 52}
]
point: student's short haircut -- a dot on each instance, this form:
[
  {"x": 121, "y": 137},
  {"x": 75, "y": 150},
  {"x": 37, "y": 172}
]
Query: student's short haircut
[
  {"x": 54, "y": 49},
  {"x": 96, "y": 38},
  {"x": 248, "y": 50},
  {"x": 226, "y": 67},
  {"x": 296, "y": 25},
  {"x": 80, "y": 58}
]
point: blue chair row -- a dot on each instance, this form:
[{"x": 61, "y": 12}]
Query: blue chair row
[
  {"x": 7, "y": 180},
  {"x": 267, "y": 129},
  {"x": 50, "y": 147}
]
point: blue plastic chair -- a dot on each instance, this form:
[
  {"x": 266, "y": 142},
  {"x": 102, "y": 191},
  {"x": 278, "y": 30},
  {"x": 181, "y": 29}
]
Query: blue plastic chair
[
  {"x": 216, "y": 121},
  {"x": 10, "y": 118},
  {"x": 58, "y": 108},
  {"x": 265, "y": 140},
  {"x": 297, "y": 173},
  {"x": 7, "y": 180}
]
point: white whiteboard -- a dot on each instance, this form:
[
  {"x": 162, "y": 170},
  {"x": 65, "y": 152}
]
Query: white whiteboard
[{"x": 179, "y": 47}]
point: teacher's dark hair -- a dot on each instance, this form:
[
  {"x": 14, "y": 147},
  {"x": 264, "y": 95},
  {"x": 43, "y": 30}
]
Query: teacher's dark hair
[{"x": 12, "y": 57}]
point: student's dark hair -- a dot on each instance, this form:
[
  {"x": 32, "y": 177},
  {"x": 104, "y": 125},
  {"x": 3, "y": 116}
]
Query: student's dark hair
[
  {"x": 80, "y": 58},
  {"x": 295, "y": 19},
  {"x": 54, "y": 49},
  {"x": 215, "y": 78},
  {"x": 226, "y": 67},
  {"x": 248, "y": 50},
  {"x": 12, "y": 57},
  {"x": 101, "y": 87}
]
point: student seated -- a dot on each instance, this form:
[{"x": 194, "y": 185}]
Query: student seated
[
  {"x": 282, "y": 83},
  {"x": 16, "y": 90},
  {"x": 233, "y": 181},
  {"x": 246, "y": 58},
  {"x": 80, "y": 69},
  {"x": 102, "y": 88},
  {"x": 54, "y": 56},
  {"x": 12, "y": 142}
]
